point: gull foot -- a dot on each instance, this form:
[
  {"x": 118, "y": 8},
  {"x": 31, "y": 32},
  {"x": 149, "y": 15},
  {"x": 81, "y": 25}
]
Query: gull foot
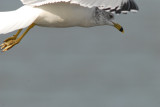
[
  {"x": 14, "y": 37},
  {"x": 9, "y": 43}
]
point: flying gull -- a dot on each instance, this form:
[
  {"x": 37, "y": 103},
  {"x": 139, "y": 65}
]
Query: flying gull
[{"x": 60, "y": 14}]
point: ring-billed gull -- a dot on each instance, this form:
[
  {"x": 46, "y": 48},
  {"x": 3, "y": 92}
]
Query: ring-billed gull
[{"x": 61, "y": 13}]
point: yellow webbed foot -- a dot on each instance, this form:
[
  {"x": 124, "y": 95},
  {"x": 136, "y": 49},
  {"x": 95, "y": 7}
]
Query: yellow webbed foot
[
  {"x": 10, "y": 38},
  {"x": 8, "y": 44},
  {"x": 12, "y": 41}
]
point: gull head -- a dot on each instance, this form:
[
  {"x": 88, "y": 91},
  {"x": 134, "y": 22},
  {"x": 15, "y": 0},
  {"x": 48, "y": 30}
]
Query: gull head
[{"x": 103, "y": 17}]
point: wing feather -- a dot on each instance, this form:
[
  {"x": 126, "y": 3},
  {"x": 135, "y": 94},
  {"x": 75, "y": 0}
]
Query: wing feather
[{"x": 116, "y": 6}]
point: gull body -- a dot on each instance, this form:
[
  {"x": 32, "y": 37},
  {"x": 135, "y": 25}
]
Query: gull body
[
  {"x": 63, "y": 15},
  {"x": 67, "y": 15}
]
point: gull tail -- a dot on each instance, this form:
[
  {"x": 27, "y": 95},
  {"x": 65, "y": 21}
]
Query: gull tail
[{"x": 18, "y": 19}]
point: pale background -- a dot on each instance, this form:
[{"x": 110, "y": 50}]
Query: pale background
[{"x": 85, "y": 67}]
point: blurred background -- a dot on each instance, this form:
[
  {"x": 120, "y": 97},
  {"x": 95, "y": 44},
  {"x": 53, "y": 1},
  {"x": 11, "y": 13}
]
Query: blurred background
[{"x": 85, "y": 67}]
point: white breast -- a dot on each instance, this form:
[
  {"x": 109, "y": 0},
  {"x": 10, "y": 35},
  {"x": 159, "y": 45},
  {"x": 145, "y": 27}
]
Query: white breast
[{"x": 65, "y": 15}]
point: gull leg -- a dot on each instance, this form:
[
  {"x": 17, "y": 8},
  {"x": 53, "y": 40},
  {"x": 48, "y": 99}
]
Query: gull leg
[
  {"x": 12, "y": 41},
  {"x": 14, "y": 37}
]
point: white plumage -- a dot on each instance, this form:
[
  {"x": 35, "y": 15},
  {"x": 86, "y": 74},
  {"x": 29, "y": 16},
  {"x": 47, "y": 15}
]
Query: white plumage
[
  {"x": 62, "y": 13},
  {"x": 86, "y": 3}
]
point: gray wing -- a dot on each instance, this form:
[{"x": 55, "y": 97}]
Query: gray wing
[{"x": 116, "y": 6}]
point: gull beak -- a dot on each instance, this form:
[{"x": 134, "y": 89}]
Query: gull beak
[{"x": 119, "y": 27}]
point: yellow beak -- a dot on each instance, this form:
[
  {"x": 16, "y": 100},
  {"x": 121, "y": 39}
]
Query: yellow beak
[{"x": 119, "y": 27}]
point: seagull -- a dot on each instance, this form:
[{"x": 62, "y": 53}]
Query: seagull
[{"x": 61, "y": 14}]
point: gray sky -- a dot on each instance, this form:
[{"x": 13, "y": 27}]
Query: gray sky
[{"x": 85, "y": 67}]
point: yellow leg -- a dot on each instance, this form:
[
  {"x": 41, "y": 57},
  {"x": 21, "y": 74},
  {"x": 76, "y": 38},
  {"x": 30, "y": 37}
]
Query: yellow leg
[
  {"x": 30, "y": 27},
  {"x": 14, "y": 37},
  {"x": 12, "y": 41}
]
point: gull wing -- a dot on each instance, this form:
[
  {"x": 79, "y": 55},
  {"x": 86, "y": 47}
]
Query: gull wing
[{"x": 116, "y": 6}]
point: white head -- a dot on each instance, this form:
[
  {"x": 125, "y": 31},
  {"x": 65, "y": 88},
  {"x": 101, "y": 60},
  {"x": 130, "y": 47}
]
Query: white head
[{"x": 102, "y": 17}]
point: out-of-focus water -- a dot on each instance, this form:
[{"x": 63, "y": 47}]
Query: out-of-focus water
[{"x": 85, "y": 67}]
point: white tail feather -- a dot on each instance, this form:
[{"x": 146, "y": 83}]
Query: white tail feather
[{"x": 18, "y": 19}]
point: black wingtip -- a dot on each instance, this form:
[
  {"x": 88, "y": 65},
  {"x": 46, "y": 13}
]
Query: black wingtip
[{"x": 130, "y": 5}]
